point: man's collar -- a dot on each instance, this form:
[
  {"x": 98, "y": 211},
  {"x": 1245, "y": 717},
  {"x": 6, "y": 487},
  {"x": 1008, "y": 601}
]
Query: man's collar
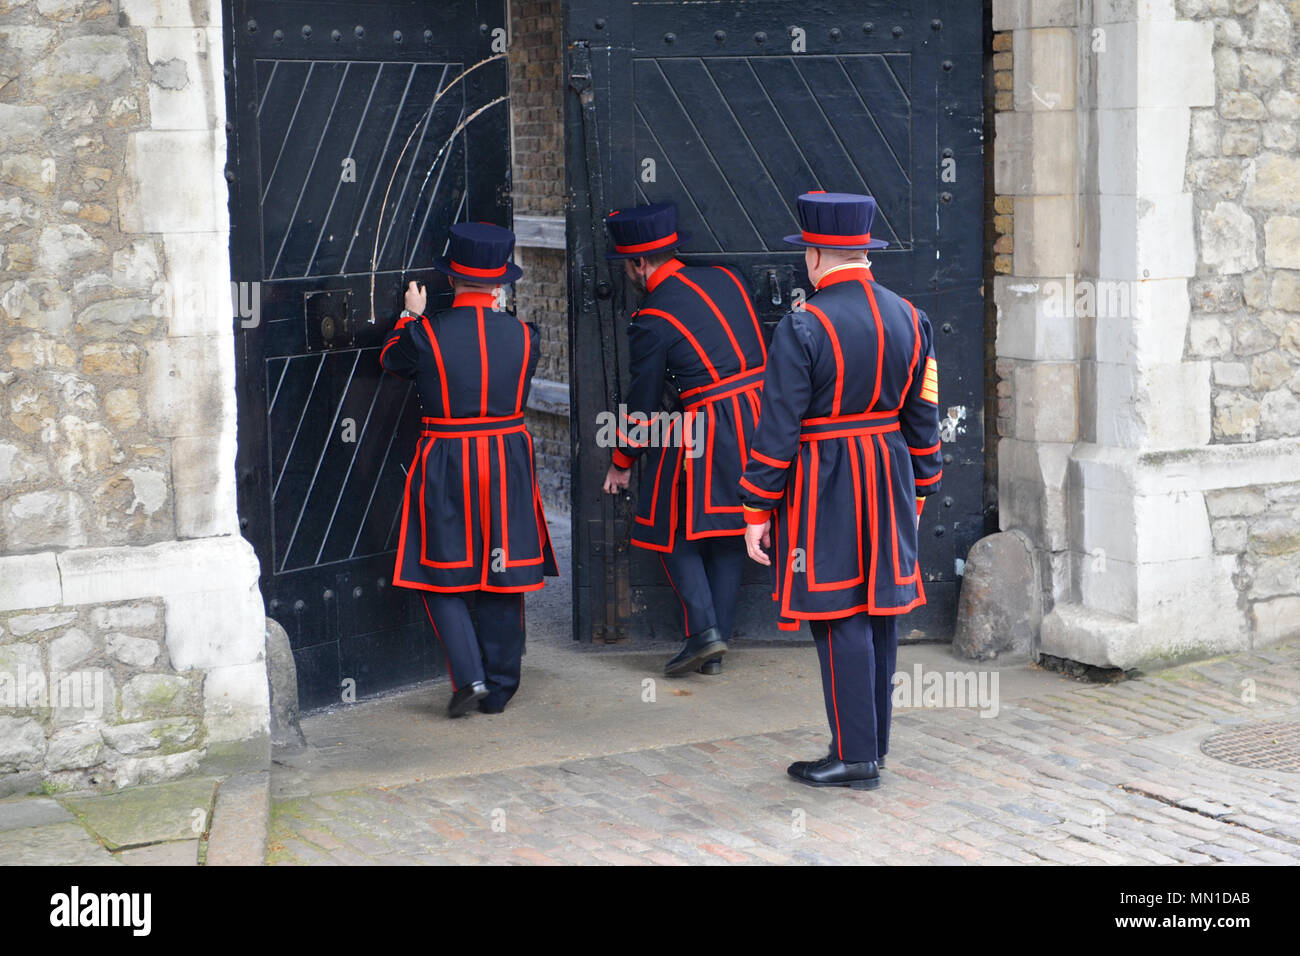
[
  {"x": 662, "y": 273},
  {"x": 484, "y": 299},
  {"x": 849, "y": 272}
]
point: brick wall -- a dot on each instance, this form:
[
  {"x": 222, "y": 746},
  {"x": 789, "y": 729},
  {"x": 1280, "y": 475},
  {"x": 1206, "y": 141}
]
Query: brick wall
[{"x": 537, "y": 105}]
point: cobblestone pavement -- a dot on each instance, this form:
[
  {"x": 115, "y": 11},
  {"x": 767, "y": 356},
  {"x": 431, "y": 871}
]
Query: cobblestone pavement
[{"x": 1098, "y": 774}]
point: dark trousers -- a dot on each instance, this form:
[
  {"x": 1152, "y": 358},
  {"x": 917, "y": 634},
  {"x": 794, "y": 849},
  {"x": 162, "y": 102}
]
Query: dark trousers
[
  {"x": 858, "y": 656},
  {"x": 485, "y": 647},
  {"x": 705, "y": 573}
]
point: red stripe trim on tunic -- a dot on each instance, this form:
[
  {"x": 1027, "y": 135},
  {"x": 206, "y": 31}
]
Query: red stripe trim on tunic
[
  {"x": 764, "y": 459},
  {"x": 751, "y": 487},
  {"x": 726, "y": 326},
  {"x": 744, "y": 294},
  {"x": 839, "y": 356},
  {"x": 442, "y": 372},
  {"x": 704, "y": 356}
]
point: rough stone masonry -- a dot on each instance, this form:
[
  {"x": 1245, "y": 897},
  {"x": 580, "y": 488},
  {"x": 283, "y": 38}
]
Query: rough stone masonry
[{"x": 131, "y": 628}]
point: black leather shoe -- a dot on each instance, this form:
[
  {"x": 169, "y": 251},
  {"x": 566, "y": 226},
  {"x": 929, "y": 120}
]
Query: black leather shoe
[
  {"x": 713, "y": 668},
  {"x": 829, "y": 772},
  {"x": 697, "y": 649},
  {"x": 465, "y": 698}
]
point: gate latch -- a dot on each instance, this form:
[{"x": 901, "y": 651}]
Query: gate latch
[{"x": 329, "y": 320}]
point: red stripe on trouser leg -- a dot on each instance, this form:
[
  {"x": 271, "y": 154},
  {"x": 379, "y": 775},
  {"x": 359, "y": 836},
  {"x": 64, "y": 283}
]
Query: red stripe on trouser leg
[{"x": 852, "y": 690}]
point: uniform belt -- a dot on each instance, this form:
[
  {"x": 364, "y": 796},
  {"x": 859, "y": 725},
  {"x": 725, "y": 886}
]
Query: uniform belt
[
  {"x": 848, "y": 426},
  {"x": 472, "y": 427},
  {"x": 723, "y": 388}
]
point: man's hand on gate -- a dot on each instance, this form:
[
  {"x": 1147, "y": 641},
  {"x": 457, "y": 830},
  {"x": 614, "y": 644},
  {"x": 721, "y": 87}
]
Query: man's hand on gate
[
  {"x": 616, "y": 479},
  {"x": 416, "y": 298},
  {"x": 755, "y": 533}
]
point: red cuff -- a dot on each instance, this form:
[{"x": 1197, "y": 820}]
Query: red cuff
[
  {"x": 754, "y": 516},
  {"x": 621, "y": 460}
]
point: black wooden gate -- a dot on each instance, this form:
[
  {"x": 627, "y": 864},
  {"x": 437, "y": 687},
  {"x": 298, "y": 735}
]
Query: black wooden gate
[
  {"x": 347, "y": 163},
  {"x": 731, "y": 108}
]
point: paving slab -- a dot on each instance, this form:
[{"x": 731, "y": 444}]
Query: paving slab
[
  {"x": 20, "y": 812},
  {"x": 53, "y": 843},
  {"x": 149, "y": 814}
]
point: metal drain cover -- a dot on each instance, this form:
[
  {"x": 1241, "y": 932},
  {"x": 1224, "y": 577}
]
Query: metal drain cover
[{"x": 1267, "y": 746}]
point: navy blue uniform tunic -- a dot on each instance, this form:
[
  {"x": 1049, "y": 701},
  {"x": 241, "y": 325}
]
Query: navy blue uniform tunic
[
  {"x": 472, "y": 515},
  {"x": 698, "y": 335},
  {"x": 843, "y": 450}
]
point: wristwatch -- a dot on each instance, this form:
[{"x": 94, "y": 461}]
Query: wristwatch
[{"x": 408, "y": 314}]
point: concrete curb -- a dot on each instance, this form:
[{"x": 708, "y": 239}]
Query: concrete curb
[{"x": 240, "y": 821}]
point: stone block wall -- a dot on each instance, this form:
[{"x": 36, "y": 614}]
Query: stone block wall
[
  {"x": 1142, "y": 330},
  {"x": 541, "y": 295},
  {"x": 1244, "y": 177},
  {"x": 122, "y": 559}
]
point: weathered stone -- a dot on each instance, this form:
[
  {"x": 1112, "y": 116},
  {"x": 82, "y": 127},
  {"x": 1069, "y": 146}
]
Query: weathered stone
[
  {"x": 1271, "y": 27},
  {"x": 1282, "y": 242},
  {"x": 69, "y": 650},
  {"x": 1270, "y": 370},
  {"x": 22, "y": 744},
  {"x": 1254, "y": 288},
  {"x": 1275, "y": 575},
  {"x": 31, "y": 173},
  {"x": 1277, "y": 183},
  {"x": 1275, "y": 535},
  {"x": 1241, "y": 140},
  {"x": 37, "y": 304},
  {"x": 282, "y": 676},
  {"x": 82, "y": 63},
  {"x": 1209, "y": 337},
  {"x": 1242, "y": 106},
  {"x": 112, "y": 317},
  {"x": 1276, "y": 620},
  {"x": 149, "y": 696},
  {"x": 1284, "y": 105},
  {"x": 18, "y": 466},
  {"x": 37, "y": 351},
  {"x": 43, "y": 519},
  {"x": 61, "y": 246},
  {"x": 1236, "y": 416},
  {"x": 1229, "y": 535},
  {"x": 19, "y": 257},
  {"x": 74, "y": 11},
  {"x": 1280, "y": 136},
  {"x": 137, "y": 267},
  {"x": 86, "y": 449},
  {"x": 1252, "y": 337},
  {"x": 1279, "y": 415},
  {"x": 1260, "y": 71},
  {"x": 19, "y": 665},
  {"x": 16, "y": 213},
  {"x": 122, "y": 406},
  {"x": 74, "y": 748},
  {"x": 1219, "y": 294},
  {"x": 1216, "y": 177},
  {"x": 1227, "y": 67},
  {"x": 134, "y": 771},
  {"x": 136, "y": 651},
  {"x": 25, "y": 624},
  {"x": 1228, "y": 239},
  {"x": 1235, "y": 501},
  {"x": 1231, "y": 374},
  {"x": 30, "y": 409},
  {"x": 118, "y": 616},
  {"x": 148, "y": 735},
  {"x": 1205, "y": 133},
  {"x": 1284, "y": 292},
  {"x": 1000, "y": 608},
  {"x": 20, "y": 125},
  {"x": 111, "y": 358}
]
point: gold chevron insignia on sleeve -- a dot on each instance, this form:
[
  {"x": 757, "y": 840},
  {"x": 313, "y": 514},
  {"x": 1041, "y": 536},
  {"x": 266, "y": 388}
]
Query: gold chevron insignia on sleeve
[{"x": 930, "y": 383}]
